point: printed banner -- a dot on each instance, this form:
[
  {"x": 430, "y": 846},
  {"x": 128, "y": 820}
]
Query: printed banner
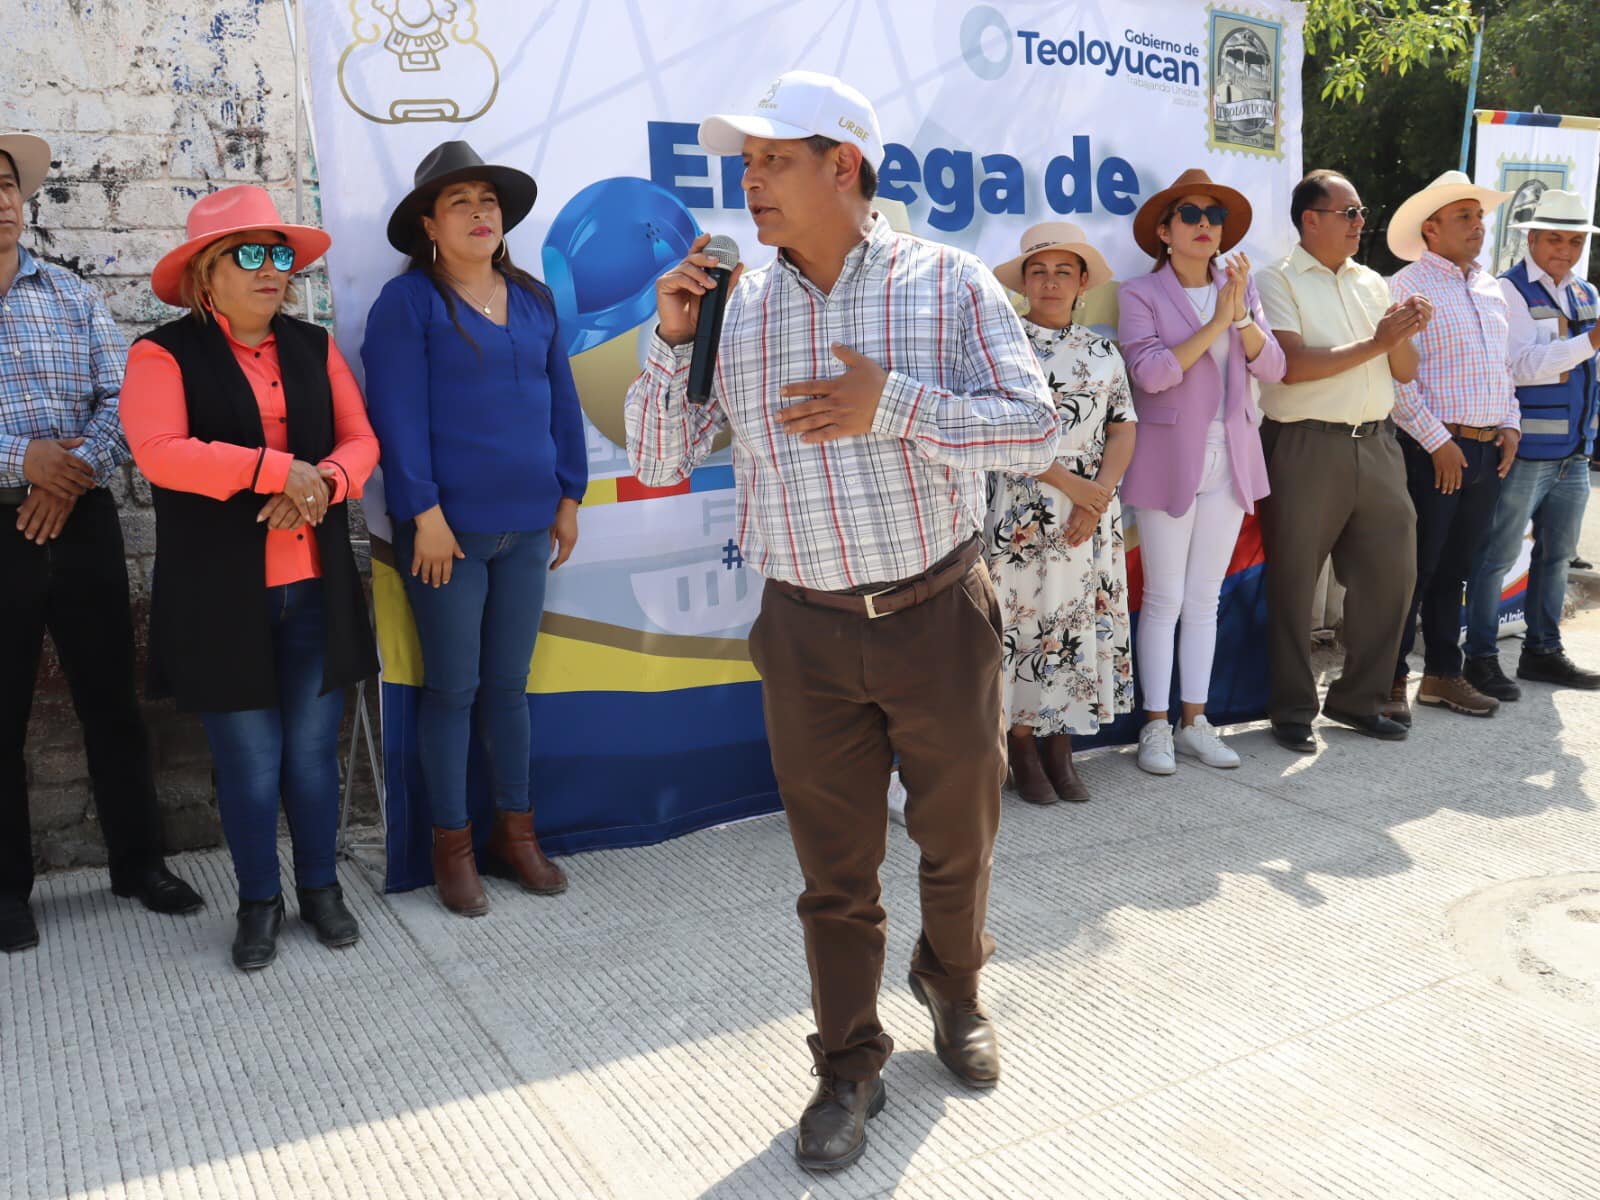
[
  {"x": 645, "y": 706},
  {"x": 1526, "y": 153}
]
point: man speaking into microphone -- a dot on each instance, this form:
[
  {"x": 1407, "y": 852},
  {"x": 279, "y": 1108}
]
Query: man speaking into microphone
[{"x": 869, "y": 378}]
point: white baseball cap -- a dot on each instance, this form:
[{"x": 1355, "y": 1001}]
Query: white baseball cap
[{"x": 799, "y": 104}]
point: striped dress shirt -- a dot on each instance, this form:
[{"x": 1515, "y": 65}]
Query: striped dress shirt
[
  {"x": 61, "y": 360},
  {"x": 964, "y": 396},
  {"x": 1462, "y": 377}
]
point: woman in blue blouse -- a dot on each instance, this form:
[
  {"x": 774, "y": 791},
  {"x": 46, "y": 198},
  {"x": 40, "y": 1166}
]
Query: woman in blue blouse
[{"x": 483, "y": 466}]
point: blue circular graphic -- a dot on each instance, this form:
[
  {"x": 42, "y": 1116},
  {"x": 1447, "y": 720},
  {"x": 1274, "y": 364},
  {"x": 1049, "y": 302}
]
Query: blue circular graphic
[
  {"x": 974, "y": 25},
  {"x": 604, "y": 252}
]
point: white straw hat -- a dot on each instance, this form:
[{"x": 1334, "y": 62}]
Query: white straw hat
[
  {"x": 32, "y": 156},
  {"x": 1405, "y": 227},
  {"x": 1055, "y": 235},
  {"x": 1564, "y": 211}
]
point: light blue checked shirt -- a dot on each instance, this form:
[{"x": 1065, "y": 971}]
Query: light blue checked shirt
[{"x": 61, "y": 361}]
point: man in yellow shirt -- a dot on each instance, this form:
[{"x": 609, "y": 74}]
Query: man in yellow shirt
[{"x": 1338, "y": 479}]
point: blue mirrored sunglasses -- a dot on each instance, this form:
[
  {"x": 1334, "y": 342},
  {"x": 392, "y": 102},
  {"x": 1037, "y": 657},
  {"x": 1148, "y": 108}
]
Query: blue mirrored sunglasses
[
  {"x": 1190, "y": 214},
  {"x": 251, "y": 256}
]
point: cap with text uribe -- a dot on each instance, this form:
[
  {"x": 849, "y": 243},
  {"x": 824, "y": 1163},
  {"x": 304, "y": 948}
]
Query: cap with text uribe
[{"x": 799, "y": 104}]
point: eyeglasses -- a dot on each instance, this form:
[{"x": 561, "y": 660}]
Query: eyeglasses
[
  {"x": 1349, "y": 214},
  {"x": 251, "y": 256},
  {"x": 1190, "y": 214}
]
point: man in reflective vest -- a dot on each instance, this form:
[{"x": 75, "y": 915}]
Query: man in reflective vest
[{"x": 1555, "y": 333}]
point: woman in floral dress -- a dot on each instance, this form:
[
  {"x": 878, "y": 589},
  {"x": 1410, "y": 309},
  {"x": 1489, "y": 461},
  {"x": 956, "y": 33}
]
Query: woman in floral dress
[{"x": 1054, "y": 541}]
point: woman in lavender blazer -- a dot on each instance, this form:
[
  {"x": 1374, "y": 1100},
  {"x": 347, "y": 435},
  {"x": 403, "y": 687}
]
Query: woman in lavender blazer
[{"x": 1193, "y": 334}]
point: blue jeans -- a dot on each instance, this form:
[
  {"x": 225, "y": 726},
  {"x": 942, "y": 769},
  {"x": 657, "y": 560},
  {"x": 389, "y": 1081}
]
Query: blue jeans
[
  {"x": 1552, "y": 495},
  {"x": 288, "y": 755},
  {"x": 1451, "y": 531},
  {"x": 477, "y": 634}
]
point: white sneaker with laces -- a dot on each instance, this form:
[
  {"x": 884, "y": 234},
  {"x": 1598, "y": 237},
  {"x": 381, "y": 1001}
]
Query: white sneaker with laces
[
  {"x": 1155, "y": 749},
  {"x": 1202, "y": 741}
]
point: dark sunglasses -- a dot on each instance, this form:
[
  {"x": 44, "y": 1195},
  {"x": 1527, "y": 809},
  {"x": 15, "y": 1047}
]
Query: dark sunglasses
[
  {"x": 1349, "y": 214},
  {"x": 252, "y": 255},
  {"x": 1190, "y": 214}
]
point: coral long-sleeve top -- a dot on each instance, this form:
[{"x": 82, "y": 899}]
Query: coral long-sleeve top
[{"x": 156, "y": 419}]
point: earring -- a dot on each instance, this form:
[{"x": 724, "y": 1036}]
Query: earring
[
  {"x": 435, "y": 246},
  {"x": 500, "y": 256}
]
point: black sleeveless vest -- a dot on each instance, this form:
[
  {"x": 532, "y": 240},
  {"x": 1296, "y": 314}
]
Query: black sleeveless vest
[{"x": 210, "y": 642}]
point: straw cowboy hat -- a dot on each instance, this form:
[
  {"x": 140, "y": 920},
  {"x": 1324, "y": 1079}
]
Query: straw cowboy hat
[
  {"x": 32, "y": 156},
  {"x": 1562, "y": 211},
  {"x": 1055, "y": 235},
  {"x": 237, "y": 209},
  {"x": 1405, "y": 227},
  {"x": 1189, "y": 183},
  {"x": 457, "y": 162}
]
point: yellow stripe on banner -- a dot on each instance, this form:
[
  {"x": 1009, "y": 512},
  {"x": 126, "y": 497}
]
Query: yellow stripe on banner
[
  {"x": 600, "y": 491},
  {"x": 560, "y": 663}
]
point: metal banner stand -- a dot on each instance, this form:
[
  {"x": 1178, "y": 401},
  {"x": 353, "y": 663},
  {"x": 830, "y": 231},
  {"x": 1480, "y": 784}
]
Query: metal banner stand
[{"x": 361, "y": 728}]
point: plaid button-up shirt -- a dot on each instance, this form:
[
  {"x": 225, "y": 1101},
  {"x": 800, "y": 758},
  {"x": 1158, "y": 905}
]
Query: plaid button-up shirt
[
  {"x": 1463, "y": 377},
  {"x": 61, "y": 361},
  {"x": 964, "y": 395}
]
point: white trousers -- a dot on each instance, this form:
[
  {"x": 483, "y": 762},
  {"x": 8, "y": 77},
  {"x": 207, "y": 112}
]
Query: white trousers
[{"x": 1185, "y": 559}]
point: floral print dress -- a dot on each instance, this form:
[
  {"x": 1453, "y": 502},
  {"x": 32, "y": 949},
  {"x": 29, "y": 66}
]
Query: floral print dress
[{"x": 1068, "y": 667}]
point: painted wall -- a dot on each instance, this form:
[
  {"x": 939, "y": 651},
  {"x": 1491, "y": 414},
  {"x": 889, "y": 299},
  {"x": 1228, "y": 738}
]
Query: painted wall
[{"x": 147, "y": 106}]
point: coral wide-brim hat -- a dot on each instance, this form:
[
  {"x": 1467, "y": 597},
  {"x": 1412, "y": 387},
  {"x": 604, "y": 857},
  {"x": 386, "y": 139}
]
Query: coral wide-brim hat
[
  {"x": 1192, "y": 182},
  {"x": 239, "y": 209}
]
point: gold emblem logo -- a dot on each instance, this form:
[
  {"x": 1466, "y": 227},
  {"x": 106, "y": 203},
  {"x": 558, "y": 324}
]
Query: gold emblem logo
[{"x": 417, "y": 60}]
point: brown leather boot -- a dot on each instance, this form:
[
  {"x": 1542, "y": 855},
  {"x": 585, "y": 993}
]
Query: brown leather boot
[
  {"x": 455, "y": 873},
  {"x": 1055, "y": 753},
  {"x": 513, "y": 843},
  {"x": 1028, "y": 779}
]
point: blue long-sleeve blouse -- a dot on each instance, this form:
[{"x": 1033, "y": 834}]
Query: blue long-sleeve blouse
[{"x": 492, "y": 434}]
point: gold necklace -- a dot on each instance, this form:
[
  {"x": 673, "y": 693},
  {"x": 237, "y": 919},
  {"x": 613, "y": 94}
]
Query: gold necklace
[{"x": 493, "y": 287}]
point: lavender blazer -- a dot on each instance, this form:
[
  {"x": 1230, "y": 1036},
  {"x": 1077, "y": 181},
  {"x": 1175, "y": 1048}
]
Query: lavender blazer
[{"x": 1175, "y": 406}]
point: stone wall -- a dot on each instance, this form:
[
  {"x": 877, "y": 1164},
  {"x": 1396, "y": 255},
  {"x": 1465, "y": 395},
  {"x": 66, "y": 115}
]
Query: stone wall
[{"x": 147, "y": 105}]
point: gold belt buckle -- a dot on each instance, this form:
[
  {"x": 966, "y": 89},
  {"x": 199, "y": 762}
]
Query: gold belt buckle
[{"x": 872, "y": 613}]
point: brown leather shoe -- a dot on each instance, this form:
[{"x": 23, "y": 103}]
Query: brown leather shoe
[
  {"x": 963, "y": 1036},
  {"x": 455, "y": 873},
  {"x": 833, "y": 1128},
  {"x": 1456, "y": 694},
  {"x": 514, "y": 844},
  {"x": 1396, "y": 708},
  {"x": 1027, "y": 776},
  {"x": 1055, "y": 753}
]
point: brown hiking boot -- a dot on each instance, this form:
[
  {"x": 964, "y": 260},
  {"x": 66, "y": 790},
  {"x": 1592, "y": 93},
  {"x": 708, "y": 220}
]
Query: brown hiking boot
[
  {"x": 1395, "y": 707},
  {"x": 455, "y": 872},
  {"x": 1027, "y": 777},
  {"x": 514, "y": 844},
  {"x": 1456, "y": 694}
]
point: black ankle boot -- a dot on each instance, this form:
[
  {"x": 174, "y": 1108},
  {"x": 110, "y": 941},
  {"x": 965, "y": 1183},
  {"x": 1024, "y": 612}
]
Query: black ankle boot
[
  {"x": 256, "y": 943},
  {"x": 324, "y": 910}
]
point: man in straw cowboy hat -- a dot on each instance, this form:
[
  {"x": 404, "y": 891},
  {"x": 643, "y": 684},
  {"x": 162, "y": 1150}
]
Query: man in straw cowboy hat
[
  {"x": 1338, "y": 479},
  {"x": 1555, "y": 333},
  {"x": 1459, "y": 418},
  {"x": 62, "y": 560}
]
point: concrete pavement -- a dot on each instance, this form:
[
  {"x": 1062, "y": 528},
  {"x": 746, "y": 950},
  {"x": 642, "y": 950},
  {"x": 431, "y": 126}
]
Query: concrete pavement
[{"x": 1327, "y": 976}]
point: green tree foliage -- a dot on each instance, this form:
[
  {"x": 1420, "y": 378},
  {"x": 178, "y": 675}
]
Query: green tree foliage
[{"x": 1358, "y": 40}]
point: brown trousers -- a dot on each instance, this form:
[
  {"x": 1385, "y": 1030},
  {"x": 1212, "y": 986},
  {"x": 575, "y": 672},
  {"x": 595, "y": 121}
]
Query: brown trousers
[
  {"x": 1333, "y": 494},
  {"x": 843, "y": 694}
]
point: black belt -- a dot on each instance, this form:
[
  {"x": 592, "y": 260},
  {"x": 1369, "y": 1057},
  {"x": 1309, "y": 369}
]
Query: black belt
[
  {"x": 13, "y": 495},
  {"x": 1365, "y": 429},
  {"x": 897, "y": 596}
]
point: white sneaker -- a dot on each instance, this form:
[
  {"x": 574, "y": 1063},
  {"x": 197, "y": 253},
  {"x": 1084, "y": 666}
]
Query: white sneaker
[
  {"x": 1155, "y": 749},
  {"x": 897, "y": 799},
  {"x": 1202, "y": 741}
]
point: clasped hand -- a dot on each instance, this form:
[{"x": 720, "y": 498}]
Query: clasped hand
[{"x": 304, "y": 500}]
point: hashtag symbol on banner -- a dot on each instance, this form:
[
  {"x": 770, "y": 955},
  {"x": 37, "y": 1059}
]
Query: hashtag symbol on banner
[{"x": 731, "y": 557}]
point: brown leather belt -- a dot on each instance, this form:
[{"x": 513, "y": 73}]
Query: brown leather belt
[
  {"x": 908, "y": 593},
  {"x": 1472, "y": 433}
]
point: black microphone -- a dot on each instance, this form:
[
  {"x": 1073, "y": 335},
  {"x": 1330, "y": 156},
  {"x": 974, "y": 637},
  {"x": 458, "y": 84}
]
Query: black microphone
[{"x": 708, "y": 333}]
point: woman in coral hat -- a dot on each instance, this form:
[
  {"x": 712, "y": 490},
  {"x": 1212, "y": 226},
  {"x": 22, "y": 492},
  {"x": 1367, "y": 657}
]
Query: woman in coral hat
[{"x": 253, "y": 435}]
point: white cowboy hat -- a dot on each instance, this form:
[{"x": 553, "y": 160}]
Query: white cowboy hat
[
  {"x": 1055, "y": 235},
  {"x": 1405, "y": 227},
  {"x": 1563, "y": 211},
  {"x": 32, "y": 156}
]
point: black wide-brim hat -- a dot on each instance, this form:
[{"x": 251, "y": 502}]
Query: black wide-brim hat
[{"x": 457, "y": 162}]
